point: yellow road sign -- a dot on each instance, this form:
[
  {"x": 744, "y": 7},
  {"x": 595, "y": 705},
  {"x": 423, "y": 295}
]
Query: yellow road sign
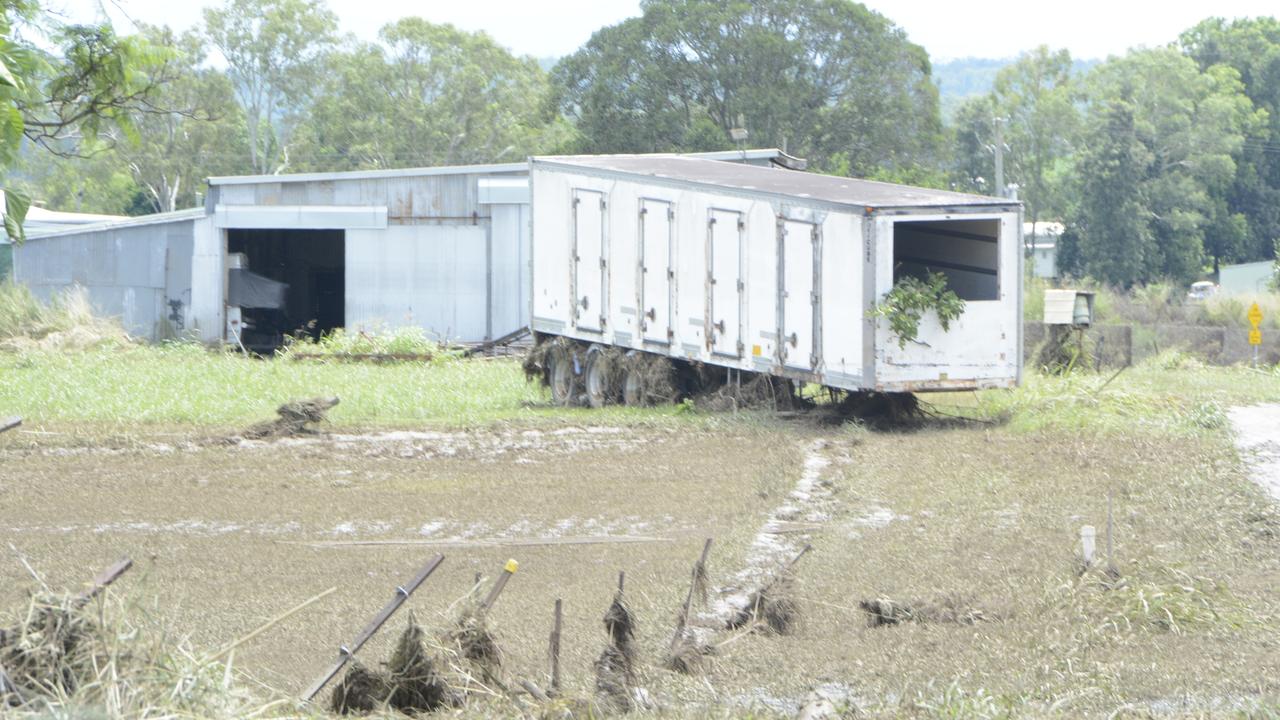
[
  {"x": 1255, "y": 316},
  {"x": 1255, "y": 337}
]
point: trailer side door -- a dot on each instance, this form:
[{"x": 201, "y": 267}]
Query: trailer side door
[
  {"x": 656, "y": 224},
  {"x": 724, "y": 282},
  {"x": 589, "y": 263},
  {"x": 798, "y": 278}
]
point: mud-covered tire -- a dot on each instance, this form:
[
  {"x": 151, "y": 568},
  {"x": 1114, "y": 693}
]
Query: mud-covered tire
[
  {"x": 634, "y": 393},
  {"x": 561, "y": 376},
  {"x": 597, "y": 378}
]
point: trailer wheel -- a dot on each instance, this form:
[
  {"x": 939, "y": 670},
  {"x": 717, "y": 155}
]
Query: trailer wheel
[
  {"x": 562, "y": 376},
  {"x": 634, "y": 393},
  {"x": 599, "y": 378}
]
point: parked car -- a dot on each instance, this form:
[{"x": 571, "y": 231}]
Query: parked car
[{"x": 1202, "y": 290}]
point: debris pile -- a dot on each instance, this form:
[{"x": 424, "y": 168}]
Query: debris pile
[
  {"x": 413, "y": 682},
  {"x": 294, "y": 419},
  {"x": 883, "y": 612},
  {"x": 615, "y": 668}
]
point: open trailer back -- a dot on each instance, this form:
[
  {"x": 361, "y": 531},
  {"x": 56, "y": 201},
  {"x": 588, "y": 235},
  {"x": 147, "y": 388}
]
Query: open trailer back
[{"x": 751, "y": 270}]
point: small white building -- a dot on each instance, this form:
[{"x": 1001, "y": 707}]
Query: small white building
[
  {"x": 1042, "y": 242},
  {"x": 1246, "y": 278}
]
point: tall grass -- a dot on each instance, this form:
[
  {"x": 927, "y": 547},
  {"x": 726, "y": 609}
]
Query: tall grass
[{"x": 69, "y": 322}]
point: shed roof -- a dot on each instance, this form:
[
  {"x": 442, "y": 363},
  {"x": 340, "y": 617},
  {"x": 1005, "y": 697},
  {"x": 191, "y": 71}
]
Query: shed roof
[
  {"x": 123, "y": 222},
  {"x": 850, "y": 192},
  {"x": 370, "y": 174}
]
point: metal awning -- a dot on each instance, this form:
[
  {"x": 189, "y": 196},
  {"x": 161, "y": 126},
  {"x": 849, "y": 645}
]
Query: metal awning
[{"x": 300, "y": 217}]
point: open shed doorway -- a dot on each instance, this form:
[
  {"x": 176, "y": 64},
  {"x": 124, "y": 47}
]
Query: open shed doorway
[
  {"x": 312, "y": 263},
  {"x": 967, "y": 252}
]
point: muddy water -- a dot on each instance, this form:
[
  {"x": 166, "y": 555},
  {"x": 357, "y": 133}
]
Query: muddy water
[{"x": 1257, "y": 431}]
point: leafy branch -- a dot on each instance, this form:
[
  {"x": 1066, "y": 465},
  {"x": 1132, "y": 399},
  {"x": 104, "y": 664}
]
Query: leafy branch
[{"x": 910, "y": 298}]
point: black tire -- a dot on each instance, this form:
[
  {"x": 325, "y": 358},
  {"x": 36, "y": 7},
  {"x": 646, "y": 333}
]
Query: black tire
[
  {"x": 561, "y": 376},
  {"x": 597, "y": 379},
  {"x": 634, "y": 393}
]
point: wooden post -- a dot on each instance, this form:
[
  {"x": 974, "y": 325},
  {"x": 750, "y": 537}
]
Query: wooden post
[
  {"x": 622, "y": 577},
  {"x": 683, "y": 621},
  {"x": 555, "y": 650}
]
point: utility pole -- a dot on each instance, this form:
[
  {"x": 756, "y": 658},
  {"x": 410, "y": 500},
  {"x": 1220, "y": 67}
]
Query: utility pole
[{"x": 999, "y": 151}]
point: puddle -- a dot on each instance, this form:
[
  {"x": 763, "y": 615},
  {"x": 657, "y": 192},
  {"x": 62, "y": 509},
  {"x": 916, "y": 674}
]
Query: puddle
[{"x": 1257, "y": 434}]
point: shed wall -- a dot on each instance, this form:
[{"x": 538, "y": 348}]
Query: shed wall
[{"x": 131, "y": 273}]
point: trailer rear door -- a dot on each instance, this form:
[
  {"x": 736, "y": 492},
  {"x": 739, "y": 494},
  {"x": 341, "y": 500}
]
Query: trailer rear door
[
  {"x": 655, "y": 269},
  {"x": 589, "y": 271},
  {"x": 724, "y": 281},
  {"x": 796, "y": 294}
]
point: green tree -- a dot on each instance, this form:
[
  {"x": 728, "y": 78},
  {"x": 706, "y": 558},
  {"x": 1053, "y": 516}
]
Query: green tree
[
  {"x": 828, "y": 79},
  {"x": 1252, "y": 48},
  {"x": 202, "y": 134},
  {"x": 273, "y": 50},
  {"x": 62, "y": 86},
  {"x": 428, "y": 94},
  {"x": 1035, "y": 98},
  {"x": 1159, "y": 147}
]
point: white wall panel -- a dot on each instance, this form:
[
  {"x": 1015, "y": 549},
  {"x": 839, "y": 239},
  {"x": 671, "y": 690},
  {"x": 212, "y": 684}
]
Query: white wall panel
[{"x": 433, "y": 276}]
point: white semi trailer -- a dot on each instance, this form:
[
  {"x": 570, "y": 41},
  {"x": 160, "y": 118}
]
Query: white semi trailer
[{"x": 753, "y": 270}]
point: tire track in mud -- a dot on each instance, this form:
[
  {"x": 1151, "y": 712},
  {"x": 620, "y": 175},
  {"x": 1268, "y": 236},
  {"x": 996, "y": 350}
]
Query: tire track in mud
[
  {"x": 1256, "y": 430},
  {"x": 784, "y": 534}
]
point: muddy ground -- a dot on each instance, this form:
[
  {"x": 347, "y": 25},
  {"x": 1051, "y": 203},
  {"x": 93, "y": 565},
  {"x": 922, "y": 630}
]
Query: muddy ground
[{"x": 983, "y": 518}]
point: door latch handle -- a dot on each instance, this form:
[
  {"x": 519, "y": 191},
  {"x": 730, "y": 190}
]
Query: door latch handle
[
  {"x": 652, "y": 314},
  {"x": 719, "y": 327},
  {"x": 794, "y": 340},
  {"x": 584, "y": 302}
]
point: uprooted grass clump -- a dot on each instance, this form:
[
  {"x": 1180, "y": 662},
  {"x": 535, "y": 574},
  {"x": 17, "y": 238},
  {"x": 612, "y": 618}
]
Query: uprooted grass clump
[
  {"x": 688, "y": 654},
  {"x": 773, "y": 605},
  {"x": 65, "y": 658},
  {"x": 473, "y": 641},
  {"x": 615, "y": 667},
  {"x": 882, "y": 612},
  {"x": 361, "y": 690},
  {"x": 294, "y": 419},
  {"x": 418, "y": 682}
]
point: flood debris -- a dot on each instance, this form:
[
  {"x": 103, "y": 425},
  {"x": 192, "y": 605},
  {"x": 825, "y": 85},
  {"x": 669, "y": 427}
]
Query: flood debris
[
  {"x": 7, "y": 424},
  {"x": 652, "y": 378},
  {"x": 346, "y": 653},
  {"x": 295, "y": 418},
  {"x": 361, "y": 690},
  {"x": 615, "y": 667},
  {"x": 688, "y": 650},
  {"x": 883, "y": 612},
  {"x": 476, "y": 643},
  {"x": 1064, "y": 350},
  {"x": 55, "y": 645},
  {"x": 417, "y": 683},
  {"x": 760, "y": 392},
  {"x": 772, "y": 605}
]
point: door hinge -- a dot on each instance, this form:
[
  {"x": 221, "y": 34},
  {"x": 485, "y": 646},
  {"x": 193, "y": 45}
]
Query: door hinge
[
  {"x": 576, "y": 201},
  {"x": 602, "y": 263},
  {"x": 741, "y": 286},
  {"x": 741, "y": 348},
  {"x": 742, "y": 225},
  {"x": 644, "y": 210},
  {"x": 603, "y": 205},
  {"x": 671, "y": 214}
]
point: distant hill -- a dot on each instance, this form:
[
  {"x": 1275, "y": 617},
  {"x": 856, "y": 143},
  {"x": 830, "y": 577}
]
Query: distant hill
[{"x": 960, "y": 79}]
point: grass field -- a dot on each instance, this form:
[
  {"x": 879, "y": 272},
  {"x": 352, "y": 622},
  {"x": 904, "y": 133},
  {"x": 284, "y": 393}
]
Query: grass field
[{"x": 462, "y": 457}]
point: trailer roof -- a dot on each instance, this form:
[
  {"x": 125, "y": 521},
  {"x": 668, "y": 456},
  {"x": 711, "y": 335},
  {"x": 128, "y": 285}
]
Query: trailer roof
[{"x": 851, "y": 192}]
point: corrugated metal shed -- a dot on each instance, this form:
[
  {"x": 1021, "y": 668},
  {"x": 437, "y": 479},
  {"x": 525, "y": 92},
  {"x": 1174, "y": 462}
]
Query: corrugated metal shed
[{"x": 132, "y": 269}]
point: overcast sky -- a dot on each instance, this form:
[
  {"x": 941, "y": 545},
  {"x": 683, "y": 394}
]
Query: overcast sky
[{"x": 947, "y": 28}]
